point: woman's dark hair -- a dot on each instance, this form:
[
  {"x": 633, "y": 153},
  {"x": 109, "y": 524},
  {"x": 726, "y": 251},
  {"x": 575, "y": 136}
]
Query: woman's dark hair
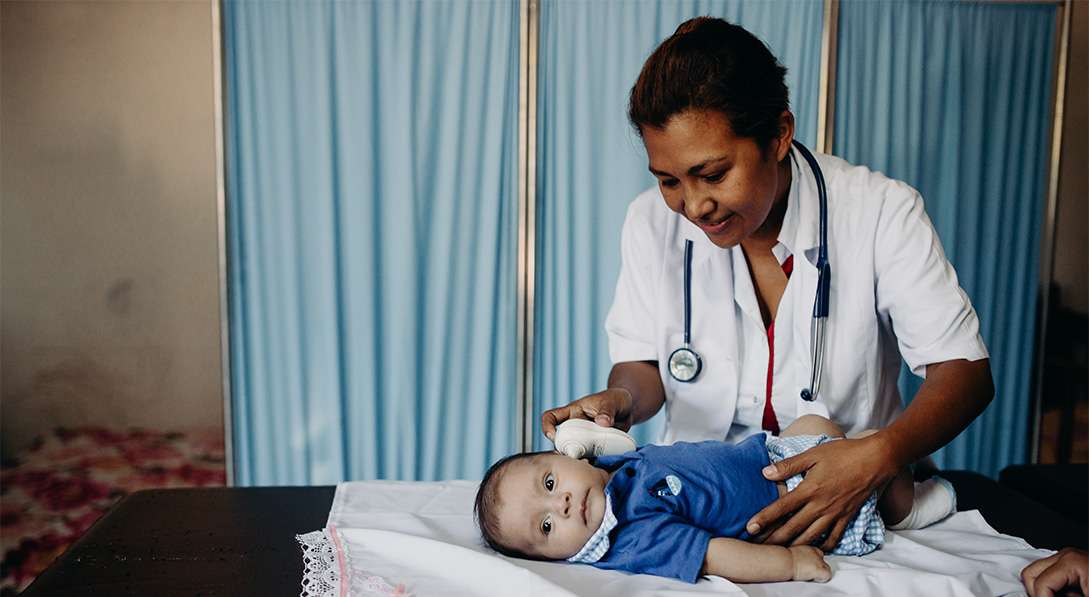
[
  {"x": 710, "y": 64},
  {"x": 486, "y": 506}
]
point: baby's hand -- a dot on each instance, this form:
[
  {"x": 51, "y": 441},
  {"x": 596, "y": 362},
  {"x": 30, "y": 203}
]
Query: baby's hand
[{"x": 809, "y": 564}]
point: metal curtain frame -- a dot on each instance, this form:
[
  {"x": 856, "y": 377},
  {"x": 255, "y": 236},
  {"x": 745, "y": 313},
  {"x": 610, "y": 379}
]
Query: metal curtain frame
[
  {"x": 219, "y": 90},
  {"x": 529, "y": 27},
  {"x": 826, "y": 98},
  {"x": 1047, "y": 240}
]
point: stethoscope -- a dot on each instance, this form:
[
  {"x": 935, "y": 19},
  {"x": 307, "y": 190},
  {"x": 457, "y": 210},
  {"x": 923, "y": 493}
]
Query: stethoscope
[{"x": 685, "y": 364}]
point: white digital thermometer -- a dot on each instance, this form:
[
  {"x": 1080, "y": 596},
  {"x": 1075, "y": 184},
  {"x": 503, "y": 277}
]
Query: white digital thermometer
[{"x": 579, "y": 438}]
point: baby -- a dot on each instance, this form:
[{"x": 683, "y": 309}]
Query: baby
[{"x": 680, "y": 511}]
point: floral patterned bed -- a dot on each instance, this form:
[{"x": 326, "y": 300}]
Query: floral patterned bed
[{"x": 52, "y": 492}]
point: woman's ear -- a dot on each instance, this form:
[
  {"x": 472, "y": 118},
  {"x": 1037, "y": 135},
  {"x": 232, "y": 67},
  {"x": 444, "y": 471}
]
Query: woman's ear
[{"x": 786, "y": 135}]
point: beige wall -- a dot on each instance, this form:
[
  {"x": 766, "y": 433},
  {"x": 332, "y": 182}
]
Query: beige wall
[
  {"x": 1071, "y": 270},
  {"x": 108, "y": 242}
]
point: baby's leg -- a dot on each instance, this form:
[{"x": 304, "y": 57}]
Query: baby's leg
[
  {"x": 903, "y": 504},
  {"x": 895, "y": 501},
  {"x": 907, "y": 505},
  {"x": 812, "y": 425}
]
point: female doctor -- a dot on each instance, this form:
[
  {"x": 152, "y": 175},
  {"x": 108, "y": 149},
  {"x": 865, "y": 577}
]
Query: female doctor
[{"x": 738, "y": 208}]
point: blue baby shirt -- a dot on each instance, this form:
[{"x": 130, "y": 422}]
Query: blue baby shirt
[{"x": 671, "y": 500}]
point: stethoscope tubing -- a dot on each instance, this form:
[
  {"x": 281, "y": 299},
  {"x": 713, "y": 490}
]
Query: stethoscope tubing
[
  {"x": 687, "y": 293},
  {"x": 824, "y": 279}
]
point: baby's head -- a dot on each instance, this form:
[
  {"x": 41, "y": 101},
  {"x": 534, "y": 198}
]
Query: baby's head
[{"x": 541, "y": 505}]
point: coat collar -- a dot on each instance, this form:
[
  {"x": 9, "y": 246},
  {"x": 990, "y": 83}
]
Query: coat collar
[{"x": 804, "y": 233}]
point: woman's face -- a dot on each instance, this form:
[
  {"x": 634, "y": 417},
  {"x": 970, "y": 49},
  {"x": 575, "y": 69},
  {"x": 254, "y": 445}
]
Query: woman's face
[{"x": 722, "y": 183}]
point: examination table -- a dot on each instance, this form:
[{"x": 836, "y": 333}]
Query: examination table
[{"x": 242, "y": 541}]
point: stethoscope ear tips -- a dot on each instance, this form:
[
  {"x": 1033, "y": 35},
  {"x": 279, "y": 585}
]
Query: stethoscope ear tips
[{"x": 807, "y": 395}]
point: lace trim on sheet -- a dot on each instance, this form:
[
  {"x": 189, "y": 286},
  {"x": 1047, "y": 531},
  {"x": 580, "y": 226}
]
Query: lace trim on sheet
[{"x": 325, "y": 566}]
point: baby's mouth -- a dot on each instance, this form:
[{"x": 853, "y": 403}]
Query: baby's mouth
[{"x": 584, "y": 499}]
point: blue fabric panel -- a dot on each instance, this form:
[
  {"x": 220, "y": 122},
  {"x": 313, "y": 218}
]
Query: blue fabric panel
[
  {"x": 373, "y": 237},
  {"x": 372, "y": 205},
  {"x": 591, "y": 164},
  {"x": 954, "y": 99}
]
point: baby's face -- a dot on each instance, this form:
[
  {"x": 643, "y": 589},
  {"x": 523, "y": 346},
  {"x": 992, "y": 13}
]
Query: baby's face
[{"x": 550, "y": 505}]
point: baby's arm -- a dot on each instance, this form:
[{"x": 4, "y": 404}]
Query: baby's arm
[{"x": 741, "y": 561}]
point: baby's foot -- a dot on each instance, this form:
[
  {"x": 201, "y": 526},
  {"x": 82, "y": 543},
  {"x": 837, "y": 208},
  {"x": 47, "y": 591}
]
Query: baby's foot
[{"x": 935, "y": 500}]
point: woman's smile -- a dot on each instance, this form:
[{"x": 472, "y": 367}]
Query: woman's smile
[{"x": 715, "y": 227}]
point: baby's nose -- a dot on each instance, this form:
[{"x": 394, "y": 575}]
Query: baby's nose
[{"x": 565, "y": 504}]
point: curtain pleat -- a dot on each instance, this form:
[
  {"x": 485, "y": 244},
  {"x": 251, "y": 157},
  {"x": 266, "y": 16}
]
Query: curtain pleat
[
  {"x": 591, "y": 164},
  {"x": 953, "y": 98},
  {"x": 373, "y": 237}
]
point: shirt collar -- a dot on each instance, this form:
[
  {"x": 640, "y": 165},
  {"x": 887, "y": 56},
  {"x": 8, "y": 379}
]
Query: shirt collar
[
  {"x": 788, "y": 231},
  {"x": 598, "y": 544},
  {"x": 805, "y": 203}
]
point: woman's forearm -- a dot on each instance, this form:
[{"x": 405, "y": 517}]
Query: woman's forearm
[
  {"x": 952, "y": 396},
  {"x": 641, "y": 380}
]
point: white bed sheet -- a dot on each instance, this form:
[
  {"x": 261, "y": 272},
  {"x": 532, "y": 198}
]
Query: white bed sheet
[{"x": 418, "y": 538}]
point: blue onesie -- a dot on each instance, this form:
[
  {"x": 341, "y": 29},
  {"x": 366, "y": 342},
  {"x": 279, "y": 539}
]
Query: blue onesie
[{"x": 668, "y": 502}]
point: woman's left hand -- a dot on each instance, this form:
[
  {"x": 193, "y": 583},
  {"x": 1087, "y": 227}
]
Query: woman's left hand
[{"x": 841, "y": 476}]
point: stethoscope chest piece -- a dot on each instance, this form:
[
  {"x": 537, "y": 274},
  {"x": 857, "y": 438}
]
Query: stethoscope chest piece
[{"x": 684, "y": 364}]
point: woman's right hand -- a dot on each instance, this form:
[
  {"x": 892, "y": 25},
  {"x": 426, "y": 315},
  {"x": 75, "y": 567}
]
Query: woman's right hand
[
  {"x": 608, "y": 408},
  {"x": 635, "y": 393}
]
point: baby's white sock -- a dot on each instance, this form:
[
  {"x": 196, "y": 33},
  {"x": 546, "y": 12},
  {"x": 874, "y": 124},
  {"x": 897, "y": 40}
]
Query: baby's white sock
[{"x": 935, "y": 499}]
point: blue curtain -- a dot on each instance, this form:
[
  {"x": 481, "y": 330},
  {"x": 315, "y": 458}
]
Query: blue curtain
[
  {"x": 373, "y": 236},
  {"x": 372, "y": 205},
  {"x": 591, "y": 164},
  {"x": 953, "y": 98}
]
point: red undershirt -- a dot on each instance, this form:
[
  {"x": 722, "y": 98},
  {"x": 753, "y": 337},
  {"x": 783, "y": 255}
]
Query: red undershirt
[{"x": 770, "y": 422}]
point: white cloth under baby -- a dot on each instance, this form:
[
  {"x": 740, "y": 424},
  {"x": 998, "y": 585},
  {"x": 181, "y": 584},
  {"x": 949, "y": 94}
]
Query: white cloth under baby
[{"x": 419, "y": 538}]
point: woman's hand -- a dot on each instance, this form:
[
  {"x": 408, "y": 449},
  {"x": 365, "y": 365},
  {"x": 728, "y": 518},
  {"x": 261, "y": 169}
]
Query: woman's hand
[
  {"x": 841, "y": 476},
  {"x": 635, "y": 393},
  {"x": 610, "y": 408},
  {"x": 1064, "y": 573}
]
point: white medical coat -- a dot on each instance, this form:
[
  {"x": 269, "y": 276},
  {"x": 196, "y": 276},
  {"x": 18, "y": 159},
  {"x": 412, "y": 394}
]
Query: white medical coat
[{"x": 893, "y": 293}]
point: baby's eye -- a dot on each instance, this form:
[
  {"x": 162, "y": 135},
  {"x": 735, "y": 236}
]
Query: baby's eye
[
  {"x": 550, "y": 482},
  {"x": 546, "y": 526}
]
